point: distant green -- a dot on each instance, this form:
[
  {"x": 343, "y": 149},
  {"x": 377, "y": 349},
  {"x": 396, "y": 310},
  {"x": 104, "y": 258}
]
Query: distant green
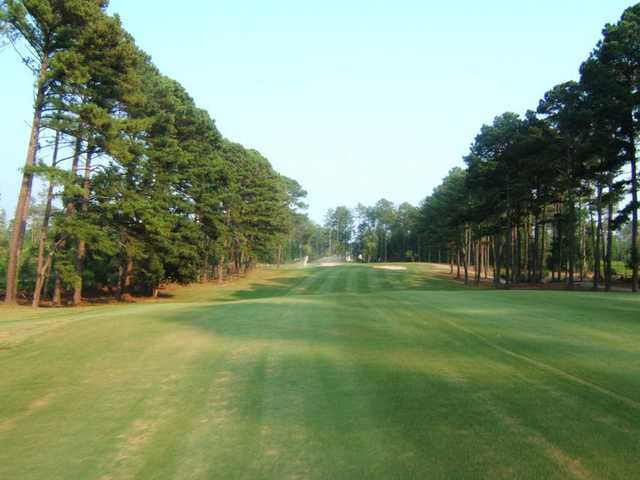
[{"x": 325, "y": 373}]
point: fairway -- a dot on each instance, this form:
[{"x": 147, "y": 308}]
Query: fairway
[{"x": 345, "y": 372}]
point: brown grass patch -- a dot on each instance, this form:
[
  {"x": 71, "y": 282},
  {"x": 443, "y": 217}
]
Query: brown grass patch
[
  {"x": 554, "y": 453},
  {"x": 34, "y": 406},
  {"x": 139, "y": 434}
]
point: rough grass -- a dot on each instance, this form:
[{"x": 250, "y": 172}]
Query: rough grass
[{"x": 345, "y": 372}]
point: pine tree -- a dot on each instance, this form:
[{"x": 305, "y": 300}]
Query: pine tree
[
  {"x": 45, "y": 32},
  {"x": 618, "y": 52}
]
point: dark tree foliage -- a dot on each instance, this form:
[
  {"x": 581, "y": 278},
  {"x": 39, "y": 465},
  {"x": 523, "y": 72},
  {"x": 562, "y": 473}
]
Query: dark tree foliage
[
  {"x": 142, "y": 189},
  {"x": 541, "y": 196}
]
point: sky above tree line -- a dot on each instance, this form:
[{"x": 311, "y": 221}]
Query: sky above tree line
[{"x": 356, "y": 102}]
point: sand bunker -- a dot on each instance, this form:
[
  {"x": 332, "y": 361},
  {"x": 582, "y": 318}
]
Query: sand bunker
[
  {"x": 389, "y": 267},
  {"x": 330, "y": 264}
]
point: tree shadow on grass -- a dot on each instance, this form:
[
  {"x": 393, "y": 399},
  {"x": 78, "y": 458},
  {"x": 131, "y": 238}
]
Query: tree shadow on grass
[
  {"x": 276, "y": 287},
  {"x": 354, "y": 384},
  {"x": 376, "y": 427},
  {"x": 349, "y": 323},
  {"x": 351, "y": 279}
]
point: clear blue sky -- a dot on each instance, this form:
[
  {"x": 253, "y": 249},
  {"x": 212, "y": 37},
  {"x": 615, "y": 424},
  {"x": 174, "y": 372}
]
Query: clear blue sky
[{"x": 356, "y": 100}]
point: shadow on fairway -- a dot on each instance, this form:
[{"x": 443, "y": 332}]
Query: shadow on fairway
[
  {"x": 350, "y": 279},
  {"x": 359, "y": 358},
  {"x": 329, "y": 324},
  {"x": 369, "y": 420},
  {"x": 337, "y": 368}
]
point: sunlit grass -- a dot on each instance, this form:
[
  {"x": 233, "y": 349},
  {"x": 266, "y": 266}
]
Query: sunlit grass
[{"x": 342, "y": 372}]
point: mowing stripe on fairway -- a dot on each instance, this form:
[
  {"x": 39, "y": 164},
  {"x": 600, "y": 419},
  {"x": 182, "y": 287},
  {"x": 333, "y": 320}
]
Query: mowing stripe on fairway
[
  {"x": 345, "y": 372},
  {"x": 626, "y": 400}
]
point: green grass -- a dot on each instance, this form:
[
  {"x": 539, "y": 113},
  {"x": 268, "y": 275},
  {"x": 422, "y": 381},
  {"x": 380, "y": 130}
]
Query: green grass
[{"x": 325, "y": 373}]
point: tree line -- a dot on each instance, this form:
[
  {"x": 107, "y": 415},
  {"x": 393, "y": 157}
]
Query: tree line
[
  {"x": 376, "y": 233},
  {"x": 382, "y": 232},
  {"x": 548, "y": 193},
  {"x": 142, "y": 189},
  {"x": 551, "y": 195},
  {"x": 140, "y": 186}
]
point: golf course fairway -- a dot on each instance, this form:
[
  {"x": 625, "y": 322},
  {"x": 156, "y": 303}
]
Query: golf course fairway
[{"x": 345, "y": 372}]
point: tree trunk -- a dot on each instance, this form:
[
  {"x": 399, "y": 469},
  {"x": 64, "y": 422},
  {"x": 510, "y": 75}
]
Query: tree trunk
[
  {"x": 466, "y": 255},
  {"x": 543, "y": 235},
  {"x": 583, "y": 250},
  {"x": 486, "y": 257},
  {"x": 509, "y": 249},
  {"x": 609, "y": 251},
  {"x": 57, "y": 292},
  {"x": 44, "y": 232},
  {"x": 634, "y": 216},
  {"x": 559, "y": 243},
  {"x": 526, "y": 258},
  {"x": 70, "y": 209},
  {"x": 126, "y": 274},
  {"x": 535, "y": 249},
  {"x": 205, "y": 268},
  {"x": 571, "y": 239},
  {"x": 598, "y": 234},
  {"x": 497, "y": 254},
  {"x": 82, "y": 244},
  {"x": 478, "y": 261},
  {"x": 385, "y": 247},
  {"x": 22, "y": 208},
  {"x": 221, "y": 269},
  {"x": 518, "y": 254}
]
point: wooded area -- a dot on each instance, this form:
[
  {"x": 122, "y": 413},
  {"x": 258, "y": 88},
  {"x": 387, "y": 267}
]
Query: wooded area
[
  {"x": 552, "y": 195},
  {"x": 142, "y": 188}
]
